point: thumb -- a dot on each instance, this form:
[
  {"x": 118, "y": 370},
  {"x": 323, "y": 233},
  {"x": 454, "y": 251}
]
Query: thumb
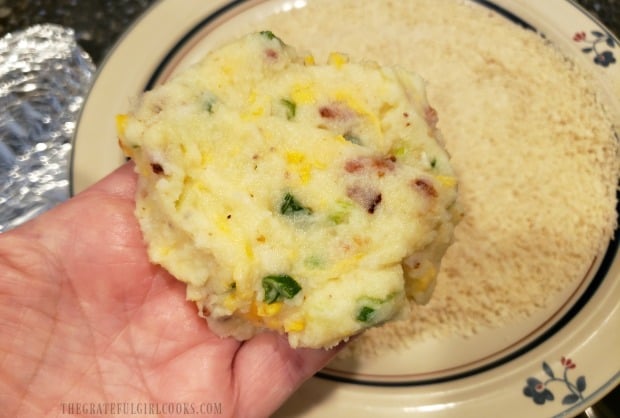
[{"x": 266, "y": 371}]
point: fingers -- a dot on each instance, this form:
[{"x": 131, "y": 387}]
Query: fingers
[
  {"x": 121, "y": 183},
  {"x": 267, "y": 371},
  {"x": 95, "y": 228}
]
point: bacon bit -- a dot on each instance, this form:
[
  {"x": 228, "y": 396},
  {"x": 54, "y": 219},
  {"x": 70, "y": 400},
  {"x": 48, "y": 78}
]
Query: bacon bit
[
  {"x": 379, "y": 165},
  {"x": 383, "y": 165},
  {"x": 327, "y": 112},
  {"x": 365, "y": 197},
  {"x": 338, "y": 111},
  {"x": 430, "y": 115},
  {"x": 157, "y": 168},
  {"x": 353, "y": 166},
  {"x": 425, "y": 187},
  {"x": 374, "y": 203},
  {"x": 271, "y": 53}
]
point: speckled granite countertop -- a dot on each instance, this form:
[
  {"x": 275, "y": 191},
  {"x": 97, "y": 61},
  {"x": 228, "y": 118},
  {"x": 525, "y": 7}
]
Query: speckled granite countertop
[{"x": 98, "y": 25}]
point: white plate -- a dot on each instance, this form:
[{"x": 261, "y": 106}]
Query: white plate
[{"x": 570, "y": 349}]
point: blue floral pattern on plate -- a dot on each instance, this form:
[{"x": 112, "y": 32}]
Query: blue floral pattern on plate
[
  {"x": 599, "y": 44},
  {"x": 540, "y": 392}
]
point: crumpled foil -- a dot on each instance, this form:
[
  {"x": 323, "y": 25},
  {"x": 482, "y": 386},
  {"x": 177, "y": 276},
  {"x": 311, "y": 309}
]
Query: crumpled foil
[{"x": 44, "y": 78}]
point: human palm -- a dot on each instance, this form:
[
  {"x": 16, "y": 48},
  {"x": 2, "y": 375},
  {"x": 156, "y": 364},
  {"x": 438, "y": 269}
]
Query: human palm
[{"x": 86, "y": 318}]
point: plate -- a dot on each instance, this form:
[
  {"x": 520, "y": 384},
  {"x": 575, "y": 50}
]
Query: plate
[{"x": 567, "y": 351}]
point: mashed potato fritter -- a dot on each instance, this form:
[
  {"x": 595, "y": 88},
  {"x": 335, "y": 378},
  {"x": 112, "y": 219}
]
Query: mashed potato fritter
[{"x": 310, "y": 199}]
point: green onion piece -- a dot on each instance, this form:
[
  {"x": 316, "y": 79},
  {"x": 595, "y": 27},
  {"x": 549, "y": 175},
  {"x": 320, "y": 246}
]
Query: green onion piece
[
  {"x": 209, "y": 102},
  {"x": 341, "y": 212},
  {"x": 433, "y": 162},
  {"x": 278, "y": 287},
  {"x": 291, "y": 108},
  {"x": 270, "y": 35},
  {"x": 373, "y": 310},
  {"x": 314, "y": 262},
  {"x": 290, "y": 206},
  {"x": 352, "y": 138},
  {"x": 365, "y": 314}
]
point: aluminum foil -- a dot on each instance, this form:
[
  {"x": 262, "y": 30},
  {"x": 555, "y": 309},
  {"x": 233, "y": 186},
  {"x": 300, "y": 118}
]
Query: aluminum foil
[{"x": 44, "y": 78}]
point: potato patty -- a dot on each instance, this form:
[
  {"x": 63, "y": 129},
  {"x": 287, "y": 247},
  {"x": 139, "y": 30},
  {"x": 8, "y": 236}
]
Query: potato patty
[{"x": 310, "y": 199}]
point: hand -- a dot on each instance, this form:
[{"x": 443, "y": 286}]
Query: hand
[{"x": 85, "y": 317}]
